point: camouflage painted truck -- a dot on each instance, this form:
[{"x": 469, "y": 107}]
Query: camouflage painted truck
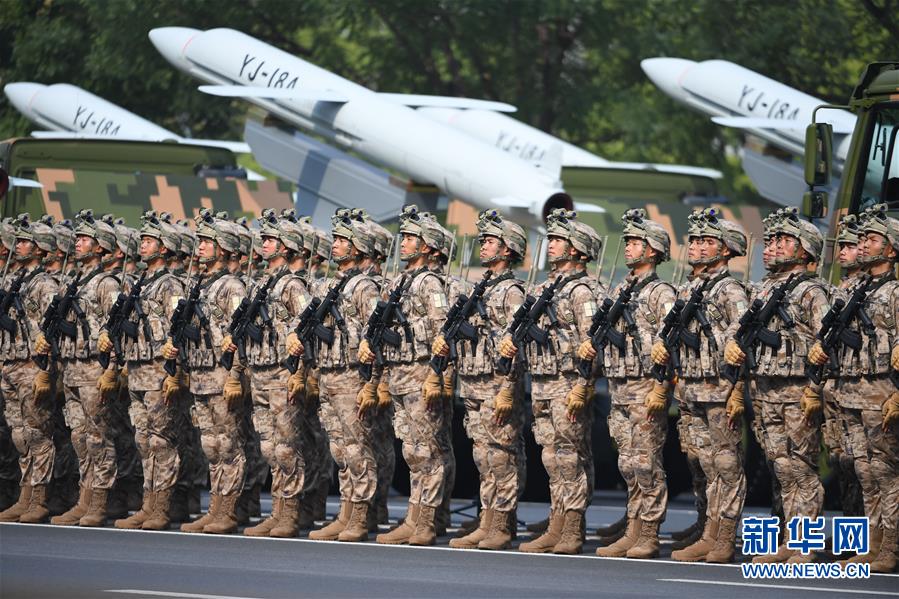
[{"x": 128, "y": 177}]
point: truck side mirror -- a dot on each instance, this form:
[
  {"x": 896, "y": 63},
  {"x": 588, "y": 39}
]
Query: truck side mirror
[
  {"x": 814, "y": 204},
  {"x": 818, "y": 153}
]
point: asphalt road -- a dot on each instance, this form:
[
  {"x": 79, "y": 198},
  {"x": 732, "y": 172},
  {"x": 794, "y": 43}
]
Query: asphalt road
[{"x": 52, "y": 561}]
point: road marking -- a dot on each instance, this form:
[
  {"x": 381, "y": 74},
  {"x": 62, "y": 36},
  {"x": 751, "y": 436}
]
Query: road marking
[
  {"x": 173, "y": 594},
  {"x": 790, "y": 587}
]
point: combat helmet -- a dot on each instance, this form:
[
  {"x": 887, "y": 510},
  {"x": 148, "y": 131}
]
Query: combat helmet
[
  {"x": 638, "y": 226},
  {"x": 221, "y": 231},
  {"x": 127, "y": 239},
  {"x": 562, "y": 223},
  {"x": 875, "y": 220},
  {"x": 65, "y": 236},
  {"x": 310, "y": 239},
  {"x": 167, "y": 235},
  {"x": 491, "y": 222},
  {"x": 87, "y": 225},
  {"x": 288, "y": 233},
  {"x": 848, "y": 230},
  {"x": 415, "y": 222},
  {"x": 8, "y": 234},
  {"x": 323, "y": 244},
  {"x": 37, "y": 232},
  {"x": 809, "y": 236},
  {"x": 730, "y": 233},
  {"x": 349, "y": 224},
  {"x": 383, "y": 239}
]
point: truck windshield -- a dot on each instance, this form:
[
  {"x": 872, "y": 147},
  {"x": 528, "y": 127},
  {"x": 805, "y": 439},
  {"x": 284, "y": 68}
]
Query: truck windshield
[{"x": 881, "y": 182}]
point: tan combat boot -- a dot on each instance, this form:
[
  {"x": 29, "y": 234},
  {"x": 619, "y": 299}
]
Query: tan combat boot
[
  {"x": 425, "y": 527},
  {"x": 874, "y": 549},
  {"x": 264, "y": 528},
  {"x": 400, "y": 535},
  {"x": 481, "y": 532},
  {"x": 571, "y": 541},
  {"x": 215, "y": 500},
  {"x": 886, "y": 557},
  {"x": 698, "y": 550},
  {"x": 73, "y": 516},
  {"x": 614, "y": 528},
  {"x": 545, "y": 542},
  {"x": 96, "y": 513},
  {"x": 37, "y": 509},
  {"x": 538, "y": 527},
  {"x": 619, "y": 548},
  {"x": 15, "y": 511},
  {"x": 783, "y": 554},
  {"x": 160, "y": 518},
  {"x": 647, "y": 545},
  {"x": 356, "y": 529},
  {"x": 288, "y": 519},
  {"x": 331, "y": 531},
  {"x": 723, "y": 550},
  {"x": 500, "y": 534},
  {"x": 225, "y": 520},
  {"x": 139, "y": 517}
]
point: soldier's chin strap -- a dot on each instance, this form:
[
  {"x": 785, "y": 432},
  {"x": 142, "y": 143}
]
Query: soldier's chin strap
[
  {"x": 409, "y": 257},
  {"x": 642, "y": 258}
]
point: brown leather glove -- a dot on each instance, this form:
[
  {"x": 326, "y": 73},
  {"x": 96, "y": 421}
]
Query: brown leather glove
[
  {"x": 817, "y": 355},
  {"x": 656, "y": 401},
  {"x": 810, "y": 403},
  {"x": 502, "y": 404},
  {"x": 585, "y": 350},
  {"x": 104, "y": 343},
  {"x": 659, "y": 353},
  {"x": 507, "y": 349},
  {"x": 168, "y": 350},
  {"x": 440, "y": 347},
  {"x": 733, "y": 355},
  {"x": 296, "y": 386},
  {"x": 108, "y": 384},
  {"x": 233, "y": 393},
  {"x": 367, "y": 398},
  {"x": 228, "y": 344},
  {"x": 42, "y": 386},
  {"x": 734, "y": 407},
  {"x": 365, "y": 355},
  {"x": 292, "y": 345},
  {"x": 385, "y": 399},
  {"x": 449, "y": 384},
  {"x": 432, "y": 390},
  {"x": 577, "y": 399},
  {"x": 312, "y": 390},
  {"x": 890, "y": 410},
  {"x": 172, "y": 387},
  {"x": 40, "y": 345}
]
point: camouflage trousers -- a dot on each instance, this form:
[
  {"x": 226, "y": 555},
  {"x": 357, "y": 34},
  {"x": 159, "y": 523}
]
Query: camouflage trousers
[
  {"x": 194, "y": 471},
  {"x": 719, "y": 451},
  {"x": 316, "y": 450},
  {"x": 385, "y": 453},
  {"x": 563, "y": 442},
  {"x": 875, "y": 451},
  {"x": 449, "y": 454},
  {"x": 9, "y": 456},
  {"x": 791, "y": 443},
  {"x": 841, "y": 463},
  {"x": 128, "y": 459},
  {"x": 422, "y": 432},
  {"x": 495, "y": 452},
  {"x": 691, "y": 452},
  {"x": 96, "y": 426},
  {"x": 32, "y": 423},
  {"x": 258, "y": 466},
  {"x": 221, "y": 434},
  {"x": 277, "y": 421},
  {"x": 640, "y": 440},
  {"x": 157, "y": 425},
  {"x": 350, "y": 436}
]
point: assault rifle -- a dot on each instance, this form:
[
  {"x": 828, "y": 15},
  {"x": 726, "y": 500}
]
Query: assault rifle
[
  {"x": 54, "y": 324},
  {"x": 602, "y": 330},
  {"x": 312, "y": 328},
  {"x": 457, "y": 326},
  {"x": 182, "y": 330},
  {"x": 243, "y": 323},
  {"x": 524, "y": 326},
  {"x": 9, "y": 299},
  {"x": 119, "y": 322},
  {"x": 379, "y": 332},
  {"x": 675, "y": 331}
]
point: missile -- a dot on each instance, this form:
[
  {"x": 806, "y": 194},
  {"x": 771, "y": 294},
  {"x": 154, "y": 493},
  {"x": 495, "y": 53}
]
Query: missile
[
  {"x": 69, "y": 111},
  {"x": 735, "y": 96},
  {"x": 383, "y": 128}
]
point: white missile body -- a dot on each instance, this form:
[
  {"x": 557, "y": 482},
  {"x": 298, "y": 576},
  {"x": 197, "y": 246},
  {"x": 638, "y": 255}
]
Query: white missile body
[
  {"x": 533, "y": 145},
  {"x": 738, "y": 97},
  {"x": 381, "y": 127}
]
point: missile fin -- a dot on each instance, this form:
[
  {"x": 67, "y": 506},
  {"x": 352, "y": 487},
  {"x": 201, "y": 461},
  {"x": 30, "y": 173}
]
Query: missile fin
[{"x": 419, "y": 100}]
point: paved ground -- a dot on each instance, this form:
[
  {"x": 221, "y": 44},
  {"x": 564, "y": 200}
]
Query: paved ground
[{"x": 51, "y": 561}]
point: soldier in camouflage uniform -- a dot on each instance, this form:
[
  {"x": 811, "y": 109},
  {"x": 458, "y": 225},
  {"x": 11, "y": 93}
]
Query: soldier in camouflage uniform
[
  {"x": 9, "y": 463},
  {"x": 560, "y": 399},
  {"x": 868, "y": 399},
  {"x": 154, "y": 396},
  {"x": 790, "y": 408},
  {"x": 30, "y": 415},
  {"x": 90, "y": 390},
  {"x": 277, "y": 411},
  {"x": 715, "y": 405},
  {"x": 218, "y": 393},
  {"x": 347, "y": 404},
  {"x": 493, "y": 403},
  {"x": 418, "y": 394},
  {"x": 638, "y": 419}
]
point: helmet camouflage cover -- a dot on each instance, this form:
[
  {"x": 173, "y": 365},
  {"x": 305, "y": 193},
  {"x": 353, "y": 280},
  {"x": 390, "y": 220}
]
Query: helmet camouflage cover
[
  {"x": 637, "y": 225},
  {"x": 809, "y": 236},
  {"x": 731, "y": 234},
  {"x": 38, "y": 232},
  {"x": 86, "y": 224},
  {"x": 491, "y": 222},
  {"x": 219, "y": 230},
  {"x": 153, "y": 226},
  {"x": 562, "y": 223},
  {"x": 349, "y": 223},
  {"x": 848, "y": 230},
  {"x": 875, "y": 220},
  {"x": 420, "y": 224}
]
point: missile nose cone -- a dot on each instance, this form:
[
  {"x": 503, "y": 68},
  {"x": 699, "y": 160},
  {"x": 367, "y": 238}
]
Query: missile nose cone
[
  {"x": 667, "y": 74},
  {"x": 171, "y": 42},
  {"x": 21, "y": 95}
]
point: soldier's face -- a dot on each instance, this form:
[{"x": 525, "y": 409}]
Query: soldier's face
[
  {"x": 848, "y": 254},
  {"x": 148, "y": 246},
  {"x": 558, "y": 247},
  {"x": 270, "y": 245},
  {"x": 694, "y": 249},
  {"x": 24, "y": 247},
  {"x": 711, "y": 247},
  {"x": 341, "y": 247},
  {"x": 787, "y": 246},
  {"x": 84, "y": 245},
  {"x": 491, "y": 247},
  {"x": 875, "y": 244},
  {"x": 634, "y": 248},
  {"x": 206, "y": 248},
  {"x": 409, "y": 245}
]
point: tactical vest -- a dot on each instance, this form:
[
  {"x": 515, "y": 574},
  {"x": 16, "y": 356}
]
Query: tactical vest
[
  {"x": 84, "y": 345},
  {"x": 481, "y": 359},
  {"x": 158, "y": 299},
  {"x": 648, "y": 309},
  {"x": 355, "y": 311},
  {"x": 415, "y": 308},
  {"x": 271, "y": 351},
  {"x": 32, "y": 296},
  {"x": 217, "y": 307},
  {"x": 874, "y": 356}
]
